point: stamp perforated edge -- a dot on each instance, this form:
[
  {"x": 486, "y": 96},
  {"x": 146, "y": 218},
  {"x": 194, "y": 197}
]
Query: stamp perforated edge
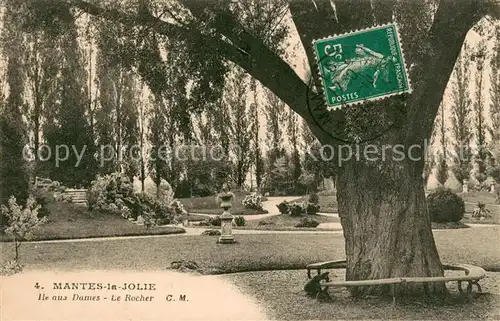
[{"x": 362, "y": 101}]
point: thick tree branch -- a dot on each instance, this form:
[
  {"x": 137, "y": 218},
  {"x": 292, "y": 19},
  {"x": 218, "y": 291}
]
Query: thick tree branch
[
  {"x": 453, "y": 19},
  {"x": 244, "y": 50}
]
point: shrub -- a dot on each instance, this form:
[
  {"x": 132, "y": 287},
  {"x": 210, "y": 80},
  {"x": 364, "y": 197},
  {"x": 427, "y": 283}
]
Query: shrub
[
  {"x": 106, "y": 190},
  {"x": 42, "y": 202},
  {"x": 214, "y": 221},
  {"x": 10, "y": 268},
  {"x": 283, "y": 207},
  {"x": 239, "y": 221},
  {"x": 204, "y": 223},
  {"x": 177, "y": 207},
  {"x": 314, "y": 198},
  {"x": 21, "y": 222},
  {"x": 445, "y": 206},
  {"x": 211, "y": 232},
  {"x": 115, "y": 194},
  {"x": 42, "y": 198},
  {"x": 494, "y": 172},
  {"x": 480, "y": 177},
  {"x": 148, "y": 206},
  {"x": 266, "y": 223},
  {"x": 312, "y": 208},
  {"x": 307, "y": 222},
  {"x": 184, "y": 265},
  {"x": 297, "y": 209},
  {"x": 253, "y": 202}
]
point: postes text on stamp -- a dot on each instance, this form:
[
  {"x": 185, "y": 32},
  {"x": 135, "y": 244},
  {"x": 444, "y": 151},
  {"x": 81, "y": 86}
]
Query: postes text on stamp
[{"x": 361, "y": 66}]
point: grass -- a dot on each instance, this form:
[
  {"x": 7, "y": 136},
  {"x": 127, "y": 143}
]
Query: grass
[
  {"x": 282, "y": 296},
  {"x": 286, "y": 222},
  {"x": 474, "y": 197},
  {"x": 73, "y": 221},
  {"x": 448, "y": 225},
  {"x": 209, "y": 205},
  {"x": 252, "y": 252}
]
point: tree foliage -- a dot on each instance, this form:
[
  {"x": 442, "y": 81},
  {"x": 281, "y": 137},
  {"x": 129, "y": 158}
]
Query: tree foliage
[
  {"x": 480, "y": 125},
  {"x": 461, "y": 111},
  {"x": 495, "y": 87},
  {"x": 71, "y": 130},
  {"x": 13, "y": 175}
]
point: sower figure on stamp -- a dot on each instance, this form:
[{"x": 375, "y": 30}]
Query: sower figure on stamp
[{"x": 342, "y": 73}]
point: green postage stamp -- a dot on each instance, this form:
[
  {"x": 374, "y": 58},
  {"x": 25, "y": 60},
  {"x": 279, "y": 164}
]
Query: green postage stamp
[{"x": 361, "y": 66}]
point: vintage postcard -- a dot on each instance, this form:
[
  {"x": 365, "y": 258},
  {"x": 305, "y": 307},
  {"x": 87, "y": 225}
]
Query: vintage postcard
[{"x": 249, "y": 160}]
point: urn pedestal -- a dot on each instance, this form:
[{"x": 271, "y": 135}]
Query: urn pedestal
[{"x": 226, "y": 218}]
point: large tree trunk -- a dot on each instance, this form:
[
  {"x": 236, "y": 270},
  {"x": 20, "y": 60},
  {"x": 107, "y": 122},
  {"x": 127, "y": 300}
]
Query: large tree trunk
[{"x": 386, "y": 224}]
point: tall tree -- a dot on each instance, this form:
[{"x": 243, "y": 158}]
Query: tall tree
[
  {"x": 480, "y": 126},
  {"x": 142, "y": 123},
  {"x": 293, "y": 130},
  {"x": 117, "y": 115},
  {"x": 41, "y": 82},
  {"x": 461, "y": 116},
  {"x": 13, "y": 176},
  {"x": 240, "y": 125},
  {"x": 442, "y": 165},
  {"x": 275, "y": 113},
  {"x": 495, "y": 87},
  {"x": 386, "y": 225},
  {"x": 71, "y": 132},
  {"x": 258, "y": 163},
  {"x": 494, "y": 169}
]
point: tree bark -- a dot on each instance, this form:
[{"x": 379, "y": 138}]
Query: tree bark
[{"x": 386, "y": 224}]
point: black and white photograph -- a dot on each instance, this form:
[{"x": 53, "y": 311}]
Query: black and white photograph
[{"x": 249, "y": 160}]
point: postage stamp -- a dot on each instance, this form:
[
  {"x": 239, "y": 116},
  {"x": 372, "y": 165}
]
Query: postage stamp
[{"x": 361, "y": 66}]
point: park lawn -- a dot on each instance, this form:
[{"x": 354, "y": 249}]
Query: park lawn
[
  {"x": 253, "y": 252},
  {"x": 475, "y": 197},
  {"x": 286, "y": 222},
  {"x": 74, "y": 221},
  {"x": 209, "y": 205}
]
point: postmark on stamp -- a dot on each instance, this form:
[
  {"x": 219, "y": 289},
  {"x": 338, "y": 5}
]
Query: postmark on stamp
[{"x": 362, "y": 65}]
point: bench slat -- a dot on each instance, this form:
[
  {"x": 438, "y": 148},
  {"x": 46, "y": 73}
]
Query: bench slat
[{"x": 364, "y": 282}]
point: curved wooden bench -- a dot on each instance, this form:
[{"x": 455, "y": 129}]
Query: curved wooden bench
[
  {"x": 472, "y": 276},
  {"x": 339, "y": 264}
]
